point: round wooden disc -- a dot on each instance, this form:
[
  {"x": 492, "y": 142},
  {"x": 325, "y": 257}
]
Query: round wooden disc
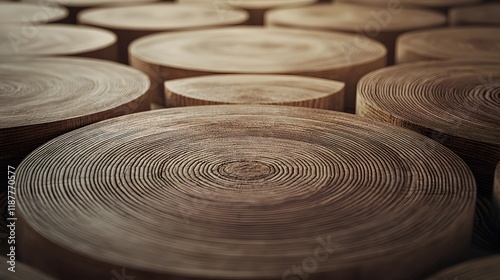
[
  {"x": 477, "y": 15},
  {"x": 57, "y": 39},
  {"x": 484, "y": 269},
  {"x": 255, "y": 89},
  {"x": 46, "y": 97},
  {"x": 357, "y": 19},
  {"x": 456, "y": 103},
  {"x": 256, "y": 8},
  {"x": 130, "y": 23},
  {"x": 446, "y": 43},
  {"x": 495, "y": 212},
  {"x": 214, "y": 192},
  {"x": 253, "y": 50},
  {"x": 22, "y": 271},
  {"x": 24, "y": 13},
  {"x": 439, "y": 5}
]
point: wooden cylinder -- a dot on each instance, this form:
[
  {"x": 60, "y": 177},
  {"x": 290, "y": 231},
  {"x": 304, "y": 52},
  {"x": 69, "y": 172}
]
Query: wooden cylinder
[
  {"x": 486, "y": 15},
  {"x": 254, "y": 50},
  {"x": 43, "y": 98},
  {"x": 442, "y": 6},
  {"x": 57, "y": 40},
  {"x": 449, "y": 43},
  {"x": 485, "y": 269},
  {"x": 454, "y": 102},
  {"x": 20, "y": 271},
  {"x": 130, "y": 23},
  {"x": 24, "y": 13},
  {"x": 214, "y": 192},
  {"x": 382, "y": 25},
  {"x": 255, "y": 8},
  {"x": 255, "y": 89},
  {"x": 495, "y": 211}
]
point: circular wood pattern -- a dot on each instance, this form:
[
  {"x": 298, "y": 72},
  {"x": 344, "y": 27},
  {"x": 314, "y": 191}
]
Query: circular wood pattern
[
  {"x": 255, "y": 89},
  {"x": 226, "y": 189},
  {"x": 484, "y": 269},
  {"x": 253, "y": 50},
  {"x": 22, "y": 271},
  {"x": 24, "y": 13},
  {"x": 130, "y": 23},
  {"x": 256, "y": 8},
  {"x": 446, "y": 43},
  {"x": 495, "y": 212},
  {"x": 453, "y": 102},
  {"x": 46, "y": 97},
  {"x": 478, "y": 15},
  {"x": 57, "y": 39},
  {"x": 439, "y": 5},
  {"x": 382, "y": 26}
]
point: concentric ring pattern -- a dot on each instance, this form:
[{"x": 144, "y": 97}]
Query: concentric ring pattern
[
  {"x": 484, "y": 269},
  {"x": 244, "y": 192},
  {"x": 24, "y": 13}
]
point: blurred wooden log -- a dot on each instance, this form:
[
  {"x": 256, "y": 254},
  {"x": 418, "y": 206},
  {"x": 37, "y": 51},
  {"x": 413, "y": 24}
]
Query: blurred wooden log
[
  {"x": 485, "y": 269},
  {"x": 486, "y": 15},
  {"x": 21, "y": 271},
  {"x": 495, "y": 212},
  {"x": 27, "y": 14},
  {"x": 255, "y": 89},
  {"x": 446, "y": 43},
  {"x": 442, "y": 6},
  {"x": 130, "y": 23},
  {"x": 214, "y": 192},
  {"x": 57, "y": 40},
  {"x": 253, "y": 50},
  {"x": 382, "y": 25}
]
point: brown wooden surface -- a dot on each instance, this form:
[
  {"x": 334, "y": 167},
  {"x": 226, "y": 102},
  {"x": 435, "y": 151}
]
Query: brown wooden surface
[
  {"x": 57, "y": 40},
  {"x": 357, "y": 19},
  {"x": 449, "y": 43},
  {"x": 22, "y": 271},
  {"x": 214, "y": 192},
  {"x": 43, "y": 98},
  {"x": 476, "y": 15},
  {"x": 484, "y": 269},
  {"x": 255, "y": 89},
  {"x": 132, "y": 22},
  {"x": 438, "y": 5},
  {"x": 495, "y": 211},
  {"x": 26, "y": 13},
  {"x": 254, "y": 50}
]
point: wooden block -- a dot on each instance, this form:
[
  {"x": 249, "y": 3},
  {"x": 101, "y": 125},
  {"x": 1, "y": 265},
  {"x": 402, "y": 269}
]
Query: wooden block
[
  {"x": 442, "y": 6},
  {"x": 486, "y": 15},
  {"x": 27, "y": 14},
  {"x": 495, "y": 211},
  {"x": 485, "y": 269}
]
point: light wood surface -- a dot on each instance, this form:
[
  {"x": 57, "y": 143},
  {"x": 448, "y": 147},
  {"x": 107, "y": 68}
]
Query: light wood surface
[
  {"x": 25, "y": 13},
  {"x": 214, "y": 192},
  {"x": 132, "y": 22},
  {"x": 449, "y": 43},
  {"x": 255, "y": 89},
  {"x": 57, "y": 40},
  {"x": 486, "y": 15},
  {"x": 22, "y": 271},
  {"x": 495, "y": 212},
  {"x": 485, "y": 269},
  {"x": 453, "y": 102},
  {"x": 438, "y": 5},
  {"x": 45, "y": 97},
  {"x": 362, "y": 20},
  {"x": 254, "y": 50}
]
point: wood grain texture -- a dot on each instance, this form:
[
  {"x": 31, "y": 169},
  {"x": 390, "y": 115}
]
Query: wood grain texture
[
  {"x": 495, "y": 211},
  {"x": 439, "y": 5},
  {"x": 484, "y": 269},
  {"x": 255, "y": 8},
  {"x": 57, "y": 40},
  {"x": 22, "y": 271},
  {"x": 130, "y": 23},
  {"x": 255, "y": 89},
  {"x": 456, "y": 103},
  {"x": 486, "y": 15},
  {"x": 43, "y": 98},
  {"x": 361, "y": 20},
  {"x": 214, "y": 192},
  {"x": 254, "y": 50},
  {"x": 449, "y": 43},
  {"x": 25, "y": 13}
]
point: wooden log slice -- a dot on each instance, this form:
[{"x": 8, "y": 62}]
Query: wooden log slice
[
  {"x": 255, "y": 89},
  {"x": 362, "y": 20},
  {"x": 456, "y": 103},
  {"x": 495, "y": 212},
  {"x": 442, "y": 6},
  {"x": 446, "y": 43},
  {"x": 21, "y": 271},
  {"x": 57, "y": 40},
  {"x": 214, "y": 192},
  {"x": 43, "y": 98},
  {"x": 254, "y": 50},
  {"x": 485, "y": 269},
  {"x": 255, "y": 8},
  {"x": 76, "y": 6},
  {"x": 486, "y": 15},
  {"x": 130, "y": 23},
  {"x": 24, "y": 13}
]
